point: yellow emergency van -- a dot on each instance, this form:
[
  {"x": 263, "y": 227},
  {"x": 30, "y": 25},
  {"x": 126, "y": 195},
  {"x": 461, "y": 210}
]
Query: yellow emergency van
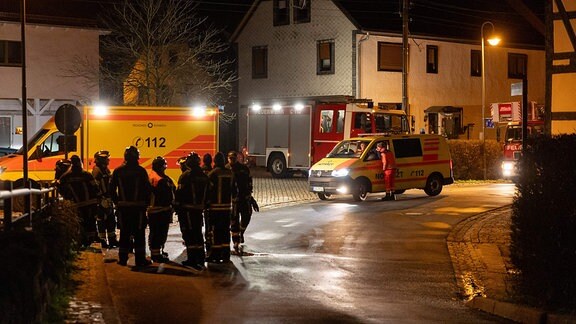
[
  {"x": 170, "y": 132},
  {"x": 354, "y": 166}
]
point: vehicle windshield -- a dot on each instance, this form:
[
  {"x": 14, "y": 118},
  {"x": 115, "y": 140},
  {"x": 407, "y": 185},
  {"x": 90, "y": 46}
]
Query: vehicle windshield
[
  {"x": 514, "y": 133},
  {"x": 32, "y": 142},
  {"x": 349, "y": 149}
]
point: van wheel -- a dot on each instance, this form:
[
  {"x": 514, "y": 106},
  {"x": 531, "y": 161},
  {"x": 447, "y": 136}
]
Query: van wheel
[
  {"x": 433, "y": 185},
  {"x": 277, "y": 166},
  {"x": 399, "y": 192},
  {"x": 323, "y": 196},
  {"x": 361, "y": 191}
]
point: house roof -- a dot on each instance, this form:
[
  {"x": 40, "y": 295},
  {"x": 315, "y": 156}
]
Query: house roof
[{"x": 519, "y": 23}]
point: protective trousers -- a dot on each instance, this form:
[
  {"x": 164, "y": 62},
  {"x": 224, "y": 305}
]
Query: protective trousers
[
  {"x": 159, "y": 223},
  {"x": 132, "y": 227},
  {"x": 191, "y": 227},
  {"x": 389, "y": 179},
  {"x": 219, "y": 227},
  {"x": 106, "y": 222},
  {"x": 241, "y": 215},
  {"x": 87, "y": 216}
]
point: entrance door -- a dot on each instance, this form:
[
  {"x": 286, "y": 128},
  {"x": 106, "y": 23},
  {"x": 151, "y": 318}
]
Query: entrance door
[{"x": 5, "y": 131}]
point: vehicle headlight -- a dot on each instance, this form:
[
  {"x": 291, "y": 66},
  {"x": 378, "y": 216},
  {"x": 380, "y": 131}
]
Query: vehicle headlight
[
  {"x": 507, "y": 166},
  {"x": 340, "y": 173}
]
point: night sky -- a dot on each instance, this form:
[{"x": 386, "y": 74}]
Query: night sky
[{"x": 450, "y": 18}]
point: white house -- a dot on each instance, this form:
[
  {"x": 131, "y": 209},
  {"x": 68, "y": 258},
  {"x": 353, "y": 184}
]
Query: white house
[
  {"x": 52, "y": 46},
  {"x": 321, "y": 50}
]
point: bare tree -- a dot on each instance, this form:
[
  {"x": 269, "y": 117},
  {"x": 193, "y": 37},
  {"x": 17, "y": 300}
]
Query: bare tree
[{"x": 161, "y": 53}]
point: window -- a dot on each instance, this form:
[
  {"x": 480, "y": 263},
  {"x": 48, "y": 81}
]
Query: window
[
  {"x": 301, "y": 11},
  {"x": 259, "y": 62},
  {"x": 407, "y": 147},
  {"x": 326, "y": 117},
  {"x": 10, "y": 53},
  {"x": 431, "y": 59},
  {"x": 517, "y": 64},
  {"x": 281, "y": 12},
  {"x": 325, "y": 57},
  {"x": 475, "y": 63},
  {"x": 389, "y": 57}
]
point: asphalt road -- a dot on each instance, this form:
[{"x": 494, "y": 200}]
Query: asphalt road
[{"x": 335, "y": 261}]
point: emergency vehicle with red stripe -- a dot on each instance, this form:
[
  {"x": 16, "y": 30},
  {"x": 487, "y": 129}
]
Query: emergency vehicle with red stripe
[
  {"x": 170, "y": 132},
  {"x": 422, "y": 162}
]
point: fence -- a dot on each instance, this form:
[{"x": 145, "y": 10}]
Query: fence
[{"x": 30, "y": 202}]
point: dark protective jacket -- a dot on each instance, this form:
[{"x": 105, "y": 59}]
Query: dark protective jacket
[
  {"x": 162, "y": 192},
  {"x": 102, "y": 176},
  {"x": 80, "y": 187},
  {"x": 243, "y": 180},
  {"x": 130, "y": 187},
  {"x": 222, "y": 189},
  {"x": 192, "y": 191}
]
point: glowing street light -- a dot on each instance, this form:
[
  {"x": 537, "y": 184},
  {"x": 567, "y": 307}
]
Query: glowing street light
[{"x": 493, "y": 41}]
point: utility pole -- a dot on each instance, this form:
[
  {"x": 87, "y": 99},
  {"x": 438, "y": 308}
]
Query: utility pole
[{"x": 405, "y": 55}]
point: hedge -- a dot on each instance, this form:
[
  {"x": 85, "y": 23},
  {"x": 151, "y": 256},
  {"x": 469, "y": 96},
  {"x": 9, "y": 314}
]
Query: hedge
[
  {"x": 468, "y": 161},
  {"x": 544, "y": 223},
  {"x": 37, "y": 264}
]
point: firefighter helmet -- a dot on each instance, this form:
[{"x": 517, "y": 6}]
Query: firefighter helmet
[
  {"x": 159, "y": 164},
  {"x": 62, "y": 166},
  {"x": 193, "y": 159},
  {"x": 75, "y": 161},
  {"x": 233, "y": 155},
  {"x": 131, "y": 154},
  {"x": 219, "y": 160},
  {"x": 101, "y": 157},
  {"x": 182, "y": 163}
]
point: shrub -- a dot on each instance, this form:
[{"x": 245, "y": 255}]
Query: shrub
[
  {"x": 36, "y": 264},
  {"x": 544, "y": 223},
  {"x": 468, "y": 161}
]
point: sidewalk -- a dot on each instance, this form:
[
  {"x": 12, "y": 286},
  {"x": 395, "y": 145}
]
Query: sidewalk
[
  {"x": 478, "y": 246},
  {"x": 480, "y": 250}
]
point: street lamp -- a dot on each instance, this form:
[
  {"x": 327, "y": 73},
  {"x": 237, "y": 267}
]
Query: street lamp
[{"x": 493, "y": 41}]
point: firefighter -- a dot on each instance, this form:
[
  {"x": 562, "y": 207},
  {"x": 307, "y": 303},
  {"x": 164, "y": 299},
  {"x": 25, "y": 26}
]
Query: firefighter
[
  {"x": 207, "y": 163},
  {"x": 219, "y": 209},
  {"x": 62, "y": 166},
  {"x": 106, "y": 219},
  {"x": 389, "y": 167},
  {"x": 191, "y": 196},
  {"x": 182, "y": 163},
  {"x": 242, "y": 207},
  {"x": 160, "y": 210},
  {"x": 79, "y": 186},
  {"x": 131, "y": 192}
]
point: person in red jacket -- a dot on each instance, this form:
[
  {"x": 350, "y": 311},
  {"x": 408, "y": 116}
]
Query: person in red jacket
[{"x": 389, "y": 167}]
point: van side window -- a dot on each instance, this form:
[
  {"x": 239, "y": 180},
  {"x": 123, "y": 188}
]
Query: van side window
[{"x": 407, "y": 147}]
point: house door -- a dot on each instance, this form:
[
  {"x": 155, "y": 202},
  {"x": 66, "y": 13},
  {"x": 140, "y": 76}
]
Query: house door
[{"x": 5, "y": 131}]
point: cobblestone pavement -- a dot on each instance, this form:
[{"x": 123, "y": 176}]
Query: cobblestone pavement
[{"x": 479, "y": 248}]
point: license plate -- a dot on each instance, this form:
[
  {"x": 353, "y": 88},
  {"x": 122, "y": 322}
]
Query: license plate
[{"x": 316, "y": 189}]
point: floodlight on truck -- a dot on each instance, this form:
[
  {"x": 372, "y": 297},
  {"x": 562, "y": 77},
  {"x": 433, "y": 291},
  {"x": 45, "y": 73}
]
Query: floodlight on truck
[
  {"x": 100, "y": 110},
  {"x": 256, "y": 107},
  {"x": 277, "y": 107}
]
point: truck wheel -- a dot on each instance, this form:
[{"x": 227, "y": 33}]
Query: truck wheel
[
  {"x": 323, "y": 196},
  {"x": 361, "y": 191},
  {"x": 433, "y": 185},
  {"x": 277, "y": 166}
]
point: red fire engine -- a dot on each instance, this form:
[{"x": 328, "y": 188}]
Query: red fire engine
[
  {"x": 291, "y": 138},
  {"x": 509, "y": 116}
]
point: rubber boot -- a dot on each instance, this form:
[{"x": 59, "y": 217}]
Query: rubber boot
[{"x": 122, "y": 259}]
